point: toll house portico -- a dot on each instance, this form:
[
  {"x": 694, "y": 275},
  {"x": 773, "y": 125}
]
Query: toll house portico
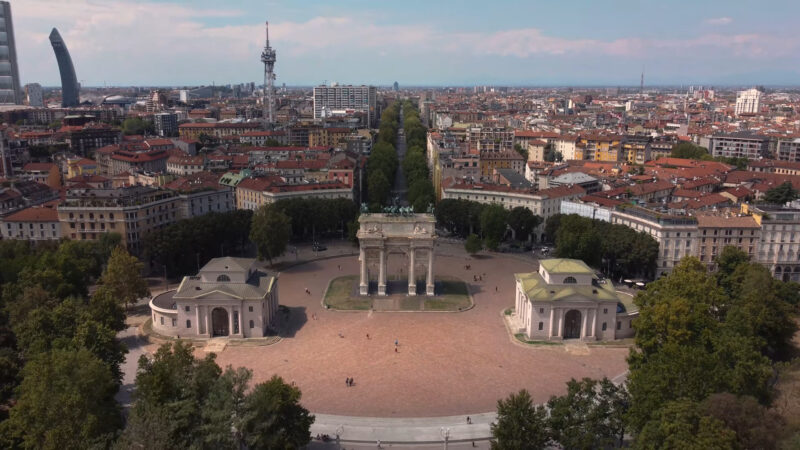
[{"x": 381, "y": 235}]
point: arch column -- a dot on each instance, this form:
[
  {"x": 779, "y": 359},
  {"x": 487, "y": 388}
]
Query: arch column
[
  {"x": 230, "y": 321},
  {"x": 412, "y": 278},
  {"x": 585, "y": 325},
  {"x": 382, "y": 273},
  {"x": 363, "y": 287},
  {"x": 429, "y": 284}
]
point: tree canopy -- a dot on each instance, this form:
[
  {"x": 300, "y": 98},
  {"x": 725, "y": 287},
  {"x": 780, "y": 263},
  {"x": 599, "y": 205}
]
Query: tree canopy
[
  {"x": 270, "y": 231},
  {"x": 123, "y": 277},
  {"x": 781, "y": 194}
]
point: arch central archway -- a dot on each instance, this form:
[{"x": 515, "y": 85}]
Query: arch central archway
[
  {"x": 220, "y": 324},
  {"x": 572, "y": 324}
]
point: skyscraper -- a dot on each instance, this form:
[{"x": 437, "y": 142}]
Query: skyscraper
[
  {"x": 10, "y": 91},
  {"x": 69, "y": 82},
  {"x": 330, "y": 99},
  {"x": 748, "y": 102}
]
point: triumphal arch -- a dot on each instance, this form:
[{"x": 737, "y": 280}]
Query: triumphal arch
[{"x": 398, "y": 230}]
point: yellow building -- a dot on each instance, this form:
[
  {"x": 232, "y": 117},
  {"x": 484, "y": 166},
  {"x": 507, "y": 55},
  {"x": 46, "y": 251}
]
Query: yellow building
[
  {"x": 600, "y": 148},
  {"x": 81, "y": 166},
  {"x": 327, "y": 137}
]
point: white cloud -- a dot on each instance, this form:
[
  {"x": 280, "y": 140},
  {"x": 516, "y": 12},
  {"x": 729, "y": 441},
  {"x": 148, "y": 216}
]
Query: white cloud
[
  {"x": 719, "y": 21},
  {"x": 135, "y": 42}
]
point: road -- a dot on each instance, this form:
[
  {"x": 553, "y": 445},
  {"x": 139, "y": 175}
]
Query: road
[{"x": 400, "y": 190}]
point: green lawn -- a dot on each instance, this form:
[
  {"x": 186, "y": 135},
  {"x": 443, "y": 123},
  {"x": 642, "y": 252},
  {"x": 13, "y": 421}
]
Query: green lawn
[{"x": 453, "y": 296}]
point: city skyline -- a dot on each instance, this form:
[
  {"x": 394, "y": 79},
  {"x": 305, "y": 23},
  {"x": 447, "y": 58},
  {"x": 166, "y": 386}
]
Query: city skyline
[{"x": 355, "y": 42}]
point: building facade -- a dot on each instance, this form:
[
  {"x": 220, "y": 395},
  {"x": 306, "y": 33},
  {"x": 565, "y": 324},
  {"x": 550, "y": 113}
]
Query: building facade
[
  {"x": 565, "y": 300},
  {"x": 748, "y": 102},
  {"x": 229, "y": 297},
  {"x": 165, "y": 124},
  {"x": 70, "y": 89},
  {"x": 34, "y": 93},
  {"x": 328, "y": 99},
  {"x": 10, "y": 91},
  {"x": 37, "y": 223},
  {"x": 740, "y": 145}
]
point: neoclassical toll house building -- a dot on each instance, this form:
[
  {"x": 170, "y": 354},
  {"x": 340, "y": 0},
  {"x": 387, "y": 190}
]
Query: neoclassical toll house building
[
  {"x": 566, "y": 300},
  {"x": 228, "y": 297}
]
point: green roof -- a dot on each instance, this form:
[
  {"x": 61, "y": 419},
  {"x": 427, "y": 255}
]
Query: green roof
[
  {"x": 536, "y": 289},
  {"x": 563, "y": 265}
]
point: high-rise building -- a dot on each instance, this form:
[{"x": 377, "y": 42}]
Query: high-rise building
[
  {"x": 69, "y": 81},
  {"x": 331, "y": 99},
  {"x": 10, "y": 91},
  {"x": 34, "y": 92},
  {"x": 166, "y": 124},
  {"x": 748, "y": 102}
]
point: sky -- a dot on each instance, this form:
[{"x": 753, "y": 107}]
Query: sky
[{"x": 414, "y": 42}]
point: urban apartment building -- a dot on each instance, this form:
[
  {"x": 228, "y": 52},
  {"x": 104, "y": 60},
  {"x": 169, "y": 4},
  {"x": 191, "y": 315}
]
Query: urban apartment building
[
  {"x": 676, "y": 235},
  {"x": 131, "y": 211},
  {"x": 740, "y": 145},
  {"x": 165, "y": 124},
  {"x": 748, "y": 102},
  {"x": 34, "y": 93},
  {"x": 330, "y": 100},
  {"x": 37, "y": 223},
  {"x": 716, "y": 232},
  {"x": 779, "y": 244},
  {"x": 10, "y": 91},
  {"x": 788, "y": 150}
]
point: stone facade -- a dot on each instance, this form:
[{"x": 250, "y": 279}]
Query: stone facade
[
  {"x": 566, "y": 300},
  {"x": 228, "y": 297},
  {"x": 380, "y": 235}
]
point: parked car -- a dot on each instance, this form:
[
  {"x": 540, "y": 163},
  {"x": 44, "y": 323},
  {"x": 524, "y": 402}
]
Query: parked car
[{"x": 317, "y": 247}]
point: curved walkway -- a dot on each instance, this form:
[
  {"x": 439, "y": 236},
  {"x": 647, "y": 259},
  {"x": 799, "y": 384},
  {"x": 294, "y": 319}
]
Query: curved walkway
[{"x": 426, "y": 430}]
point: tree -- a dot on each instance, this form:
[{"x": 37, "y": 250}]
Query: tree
[
  {"x": 755, "y": 426},
  {"x": 473, "y": 244},
  {"x": 781, "y": 194},
  {"x": 523, "y": 222},
  {"x": 689, "y": 150},
  {"x": 270, "y": 232},
  {"x": 683, "y": 425},
  {"x": 590, "y": 415},
  {"x": 520, "y": 425},
  {"x": 274, "y": 417},
  {"x": 493, "y": 225},
  {"x": 378, "y": 188},
  {"x": 123, "y": 277},
  {"x": 65, "y": 401},
  {"x": 136, "y": 125},
  {"x": 522, "y": 151}
]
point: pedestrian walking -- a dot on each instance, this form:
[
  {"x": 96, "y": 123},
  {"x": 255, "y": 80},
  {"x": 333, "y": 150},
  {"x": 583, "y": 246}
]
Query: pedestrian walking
[
  {"x": 395, "y": 349},
  {"x": 495, "y": 288},
  {"x": 469, "y": 421},
  {"x": 396, "y": 342},
  {"x": 367, "y": 336},
  {"x": 347, "y": 381}
]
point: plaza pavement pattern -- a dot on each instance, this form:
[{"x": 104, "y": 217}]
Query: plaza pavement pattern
[{"x": 447, "y": 365}]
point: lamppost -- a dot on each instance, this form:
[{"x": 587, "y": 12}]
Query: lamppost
[
  {"x": 445, "y": 432},
  {"x": 339, "y": 432}
]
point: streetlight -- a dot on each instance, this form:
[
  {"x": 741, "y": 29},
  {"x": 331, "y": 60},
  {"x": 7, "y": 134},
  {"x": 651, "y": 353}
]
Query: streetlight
[
  {"x": 339, "y": 432},
  {"x": 445, "y": 432}
]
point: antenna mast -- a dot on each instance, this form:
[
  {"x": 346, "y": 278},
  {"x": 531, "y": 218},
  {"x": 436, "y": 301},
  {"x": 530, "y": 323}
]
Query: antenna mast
[{"x": 268, "y": 57}]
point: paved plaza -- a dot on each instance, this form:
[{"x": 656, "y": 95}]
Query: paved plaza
[{"x": 446, "y": 364}]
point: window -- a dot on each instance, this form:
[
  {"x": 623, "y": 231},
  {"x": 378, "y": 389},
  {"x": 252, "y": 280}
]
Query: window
[
  {"x": 186, "y": 308},
  {"x": 162, "y": 320},
  {"x": 541, "y": 326},
  {"x": 189, "y": 323},
  {"x": 174, "y": 322},
  {"x": 570, "y": 280},
  {"x": 252, "y": 325},
  {"x": 250, "y": 308},
  {"x": 236, "y": 322},
  {"x": 541, "y": 310},
  {"x": 604, "y": 326},
  {"x": 223, "y": 278},
  {"x": 619, "y": 325},
  {"x": 605, "y": 310}
]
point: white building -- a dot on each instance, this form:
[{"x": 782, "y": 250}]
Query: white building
[
  {"x": 779, "y": 245},
  {"x": 34, "y": 92},
  {"x": 566, "y": 300},
  {"x": 566, "y": 145},
  {"x": 356, "y": 98},
  {"x": 37, "y": 223},
  {"x": 228, "y": 297},
  {"x": 748, "y": 102}
]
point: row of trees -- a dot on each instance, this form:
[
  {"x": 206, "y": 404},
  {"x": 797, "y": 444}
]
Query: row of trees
[
  {"x": 184, "y": 245},
  {"x": 490, "y": 222},
  {"x": 617, "y": 249},
  {"x": 59, "y": 356},
  {"x": 186, "y": 403},
  {"x": 415, "y": 165},
  {"x": 313, "y": 217},
  {"x": 707, "y": 349},
  {"x": 382, "y": 162}
]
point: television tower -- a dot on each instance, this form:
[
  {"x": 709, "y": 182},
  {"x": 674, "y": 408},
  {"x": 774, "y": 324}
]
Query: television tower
[{"x": 267, "y": 98}]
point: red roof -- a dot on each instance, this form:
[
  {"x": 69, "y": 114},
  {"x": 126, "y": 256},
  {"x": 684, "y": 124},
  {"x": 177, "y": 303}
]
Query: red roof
[
  {"x": 34, "y": 214},
  {"x": 39, "y": 167}
]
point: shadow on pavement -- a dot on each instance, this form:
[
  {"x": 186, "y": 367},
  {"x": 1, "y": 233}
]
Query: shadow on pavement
[{"x": 292, "y": 320}]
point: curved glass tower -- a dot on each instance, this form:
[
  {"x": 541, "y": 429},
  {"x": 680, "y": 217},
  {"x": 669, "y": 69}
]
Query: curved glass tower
[{"x": 69, "y": 82}]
